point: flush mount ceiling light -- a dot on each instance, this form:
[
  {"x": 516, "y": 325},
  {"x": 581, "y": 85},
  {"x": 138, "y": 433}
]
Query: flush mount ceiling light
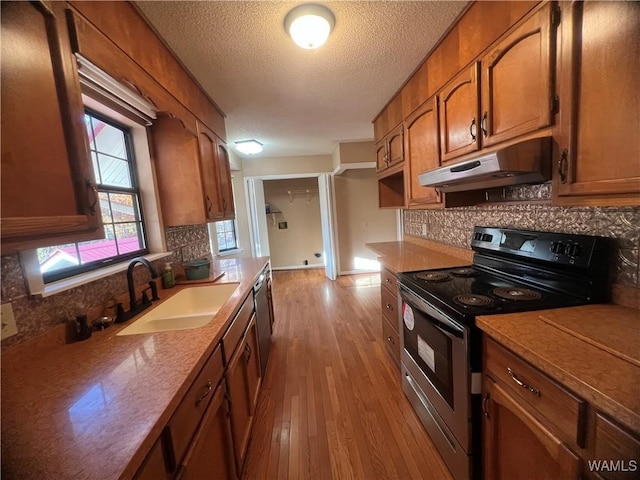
[
  {"x": 309, "y": 25},
  {"x": 249, "y": 146}
]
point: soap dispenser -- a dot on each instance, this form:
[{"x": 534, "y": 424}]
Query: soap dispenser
[{"x": 168, "y": 279}]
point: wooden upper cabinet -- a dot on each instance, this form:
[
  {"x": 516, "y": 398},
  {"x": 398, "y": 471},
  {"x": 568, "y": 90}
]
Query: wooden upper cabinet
[
  {"x": 176, "y": 158},
  {"x": 216, "y": 176},
  {"x": 422, "y": 151},
  {"x": 460, "y": 114},
  {"x": 226, "y": 187},
  {"x": 598, "y": 162},
  {"x": 48, "y": 189},
  {"x": 395, "y": 146},
  {"x": 381, "y": 155},
  {"x": 209, "y": 167},
  {"x": 517, "y": 73},
  {"x": 390, "y": 150}
]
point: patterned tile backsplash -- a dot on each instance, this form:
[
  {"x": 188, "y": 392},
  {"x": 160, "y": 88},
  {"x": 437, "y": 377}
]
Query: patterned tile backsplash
[
  {"x": 37, "y": 315},
  {"x": 454, "y": 226}
]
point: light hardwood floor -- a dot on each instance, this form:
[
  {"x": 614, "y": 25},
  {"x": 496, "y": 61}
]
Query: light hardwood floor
[{"x": 331, "y": 405}]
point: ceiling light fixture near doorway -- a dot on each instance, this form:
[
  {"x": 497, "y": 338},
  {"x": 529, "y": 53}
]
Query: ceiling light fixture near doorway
[
  {"x": 249, "y": 146},
  {"x": 309, "y": 25}
]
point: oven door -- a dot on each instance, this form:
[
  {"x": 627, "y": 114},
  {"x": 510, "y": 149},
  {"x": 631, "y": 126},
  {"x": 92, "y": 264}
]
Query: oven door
[{"x": 436, "y": 357}]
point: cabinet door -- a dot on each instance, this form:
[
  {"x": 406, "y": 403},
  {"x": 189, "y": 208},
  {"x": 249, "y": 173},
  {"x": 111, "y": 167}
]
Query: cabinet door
[
  {"x": 153, "y": 467},
  {"x": 381, "y": 155},
  {"x": 48, "y": 190},
  {"x": 211, "y": 452},
  {"x": 224, "y": 176},
  {"x": 210, "y": 175},
  {"x": 459, "y": 114},
  {"x": 395, "y": 145},
  {"x": 175, "y": 153},
  {"x": 243, "y": 380},
  {"x": 517, "y": 444},
  {"x": 600, "y": 101},
  {"x": 516, "y": 82},
  {"x": 422, "y": 151}
]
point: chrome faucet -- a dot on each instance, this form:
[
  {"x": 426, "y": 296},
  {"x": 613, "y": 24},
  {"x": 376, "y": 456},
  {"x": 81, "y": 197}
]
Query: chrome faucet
[{"x": 134, "y": 309}]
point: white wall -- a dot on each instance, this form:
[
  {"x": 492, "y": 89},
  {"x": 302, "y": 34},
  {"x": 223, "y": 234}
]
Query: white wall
[
  {"x": 312, "y": 164},
  {"x": 359, "y": 220}
]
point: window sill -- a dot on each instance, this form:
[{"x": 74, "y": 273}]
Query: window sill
[
  {"x": 226, "y": 253},
  {"x": 37, "y": 288}
]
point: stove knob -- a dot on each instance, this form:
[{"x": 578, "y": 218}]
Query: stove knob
[
  {"x": 558, "y": 248},
  {"x": 574, "y": 250}
]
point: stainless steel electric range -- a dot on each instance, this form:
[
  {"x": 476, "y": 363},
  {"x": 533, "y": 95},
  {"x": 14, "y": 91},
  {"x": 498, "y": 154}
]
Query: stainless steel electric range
[{"x": 512, "y": 271}]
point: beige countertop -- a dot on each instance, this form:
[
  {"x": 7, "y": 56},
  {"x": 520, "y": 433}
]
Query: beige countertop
[
  {"x": 593, "y": 350},
  {"x": 93, "y": 409},
  {"x": 407, "y": 256}
]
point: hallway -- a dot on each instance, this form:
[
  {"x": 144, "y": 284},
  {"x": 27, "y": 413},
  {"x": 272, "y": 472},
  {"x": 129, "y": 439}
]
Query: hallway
[{"x": 331, "y": 405}]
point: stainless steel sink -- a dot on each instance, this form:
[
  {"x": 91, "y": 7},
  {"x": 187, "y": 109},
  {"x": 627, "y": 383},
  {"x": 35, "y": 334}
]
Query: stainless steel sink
[{"x": 192, "y": 307}]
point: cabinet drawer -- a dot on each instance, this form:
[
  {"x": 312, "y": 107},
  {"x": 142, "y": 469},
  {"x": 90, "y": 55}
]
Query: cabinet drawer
[
  {"x": 564, "y": 411},
  {"x": 389, "y": 280},
  {"x": 614, "y": 445},
  {"x": 237, "y": 328},
  {"x": 389, "y": 306},
  {"x": 187, "y": 416},
  {"x": 391, "y": 339}
]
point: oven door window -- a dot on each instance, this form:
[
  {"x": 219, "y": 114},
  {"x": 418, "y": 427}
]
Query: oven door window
[{"x": 430, "y": 347}]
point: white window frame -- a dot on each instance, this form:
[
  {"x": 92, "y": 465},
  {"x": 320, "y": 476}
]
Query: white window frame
[
  {"x": 213, "y": 234},
  {"x": 152, "y": 214}
]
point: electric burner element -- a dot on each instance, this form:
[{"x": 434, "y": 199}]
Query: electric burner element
[
  {"x": 463, "y": 272},
  {"x": 433, "y": 277},
  {"x": 471, "y": 300},
  {"x": 517, "y": 294}
]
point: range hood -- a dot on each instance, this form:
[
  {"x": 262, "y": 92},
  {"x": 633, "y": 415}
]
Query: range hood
[{"x": 524, "y": 162}]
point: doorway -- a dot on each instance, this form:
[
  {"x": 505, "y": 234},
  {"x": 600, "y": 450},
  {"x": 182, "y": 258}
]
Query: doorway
[{"x": 291, "y": 219}]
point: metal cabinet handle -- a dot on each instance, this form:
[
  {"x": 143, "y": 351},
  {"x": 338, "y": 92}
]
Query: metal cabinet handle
[
  {"x": 224, "y": 206},
  {"x": 390, "y": 340},
  {"x": 208, "y": 389},
  {"x": 388, "y": 280},
  {"x": 472, "y": 129},
  {"x": 483, "y": 125},
  {"x": 92, "y": 188},
  {"x": 247, "y": 350},
  {"x": 389, "y": 306},
  {"x": 485, "y": 400},
  {"x": 514, "y": 377},
  {"x": 562, "y": 165},
  {"x": 209, "y": 204}
]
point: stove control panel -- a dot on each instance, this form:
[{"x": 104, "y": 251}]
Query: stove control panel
[{"x": 548, "y": 247}]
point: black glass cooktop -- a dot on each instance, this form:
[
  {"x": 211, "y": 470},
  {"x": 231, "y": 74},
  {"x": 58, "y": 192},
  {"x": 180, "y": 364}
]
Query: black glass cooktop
[{"x": 470, "y": 291}]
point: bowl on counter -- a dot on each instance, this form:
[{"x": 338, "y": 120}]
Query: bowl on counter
[{"x": 197, "y": 270}]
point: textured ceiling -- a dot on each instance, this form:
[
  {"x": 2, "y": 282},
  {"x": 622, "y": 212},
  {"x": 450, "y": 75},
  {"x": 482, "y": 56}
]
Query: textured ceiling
[{"x": 296, "y": 101}]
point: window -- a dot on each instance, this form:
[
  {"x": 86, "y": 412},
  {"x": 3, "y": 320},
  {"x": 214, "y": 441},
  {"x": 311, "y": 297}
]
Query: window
[
  {"x": 226, "y": 236},
  {"x": 111, "y": 152}
]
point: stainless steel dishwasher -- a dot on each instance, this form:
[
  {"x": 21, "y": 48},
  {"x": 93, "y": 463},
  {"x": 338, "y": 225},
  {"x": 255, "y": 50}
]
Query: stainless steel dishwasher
[{"x": 264, "y": 314}]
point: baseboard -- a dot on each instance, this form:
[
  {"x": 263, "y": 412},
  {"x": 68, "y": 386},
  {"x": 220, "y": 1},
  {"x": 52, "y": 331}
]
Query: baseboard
[
  {"x": 356, "y": 272},
  {"x": 297, "y": 267}
]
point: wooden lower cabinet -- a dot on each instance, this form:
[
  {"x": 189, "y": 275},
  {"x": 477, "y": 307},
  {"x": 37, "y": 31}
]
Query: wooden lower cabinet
[
  {"x": 154, "y": 467},
  {"x": 389, "y": 308},
  {"x": 534, "y": 428},
  {"x": 518, "y": 444},
  {"x": 208, "y": 434},
  {"x": 211, "y": 453},
  {"x": 243, "y": 380}
]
